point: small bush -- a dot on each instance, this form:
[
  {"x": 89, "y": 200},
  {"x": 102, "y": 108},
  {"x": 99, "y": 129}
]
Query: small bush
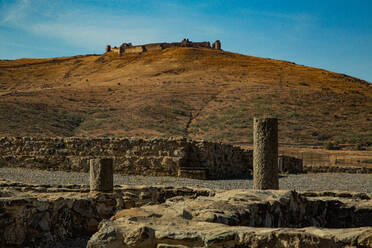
[
  {"x": 91, "y": 124},
  {"x": 332, "y": 146},
  {"x": 367, "y": 161},
  {"x": 102, "y": 115},
  {"x": 304, "y": 84},
  {"x": 93, "y": 111},
  {"x": 359, "y": 147},
  {"x": 72, "y": 99},
  {"x": 179, "y": 112},
  {"x": 315, "y": 133},
  {"x": 323, "y": 137}
]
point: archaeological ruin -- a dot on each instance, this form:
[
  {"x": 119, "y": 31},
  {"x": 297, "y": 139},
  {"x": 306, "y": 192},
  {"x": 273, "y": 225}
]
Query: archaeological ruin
[
  {"x": 114, "y": 216},
  {"x": 34, "y": 215},
  {"x": 129, "y": 48},
  {"x": 150, "y": 157}
]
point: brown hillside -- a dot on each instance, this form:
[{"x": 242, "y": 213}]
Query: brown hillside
[{"x": 198, "y": 93}]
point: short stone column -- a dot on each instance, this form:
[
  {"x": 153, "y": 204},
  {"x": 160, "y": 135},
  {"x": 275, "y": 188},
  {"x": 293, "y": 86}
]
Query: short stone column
[
  {"x": 265, "y": 153},
  {"x": 101, "y": 175}
]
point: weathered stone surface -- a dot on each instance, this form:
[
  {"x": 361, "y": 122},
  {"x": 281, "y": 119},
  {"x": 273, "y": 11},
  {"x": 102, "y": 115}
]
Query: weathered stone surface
[
  {"x": 29, "y": 217},
  {"x": 265, "y": 153},
  {"x": 247, "y": 218},
  {"x": 101, "y": 175}
]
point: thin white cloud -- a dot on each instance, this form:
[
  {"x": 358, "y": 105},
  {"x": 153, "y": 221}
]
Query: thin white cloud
[
  {"x": 93, "y": 28},
  {"x": 14, "y": 13},
  {"x": 91, "y": 35}
]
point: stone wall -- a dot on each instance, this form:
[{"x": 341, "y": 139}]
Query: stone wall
[
  {"x": 152, "y": 157},
  {"x": 289, "y": 164},
  {"x": 154, "y": 47},
  {"x": 32, "y": 215},
  {"x": 337, "y": 169},
  {"x": 135, "y": 49}
]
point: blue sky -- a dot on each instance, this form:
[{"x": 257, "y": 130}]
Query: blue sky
[{"x": 330, "y": 34}]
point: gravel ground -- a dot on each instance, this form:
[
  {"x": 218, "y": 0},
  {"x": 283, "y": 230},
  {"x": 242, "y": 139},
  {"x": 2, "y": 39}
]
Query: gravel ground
[{"x": 316, "y": 182}]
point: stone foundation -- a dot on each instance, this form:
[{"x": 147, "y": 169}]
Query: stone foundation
[
  {"x": 244, "y": 218},
  {"x": 31, "y": 215}
]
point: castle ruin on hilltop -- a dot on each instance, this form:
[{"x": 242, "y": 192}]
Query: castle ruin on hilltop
[{"x": 129, "y": 48}]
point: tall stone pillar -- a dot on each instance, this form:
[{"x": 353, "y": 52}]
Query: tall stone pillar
[
  {"x": 101, "y": 175},
  {"x": 265, "y": 153}
]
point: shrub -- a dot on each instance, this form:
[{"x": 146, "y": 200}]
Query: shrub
[
  {"x": 102, "y": 115},
  {"x": 359, "y": 147},
  {"x": 367, "y": 161},
  {"x": 323, "y": 137},
  {"x": 332, "y": 146},
  {"x": 179, "y": 112},
  {"x": 72, "y": 99},
  {"x": 315, "y": 133}
]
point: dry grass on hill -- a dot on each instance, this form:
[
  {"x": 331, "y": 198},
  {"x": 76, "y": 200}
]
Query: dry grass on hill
[{"x": 196, "y": 93}]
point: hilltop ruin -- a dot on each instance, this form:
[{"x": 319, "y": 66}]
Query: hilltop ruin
[{"x": 129, "y": 48}]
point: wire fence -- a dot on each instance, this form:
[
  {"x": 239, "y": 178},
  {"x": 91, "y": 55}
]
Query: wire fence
[{"x": 316, "y": 159}]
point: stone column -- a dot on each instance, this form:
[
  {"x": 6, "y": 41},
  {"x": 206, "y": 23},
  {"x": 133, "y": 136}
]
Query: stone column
[
  {"x": 101, "y": 175},
  {"x": 265, "y": 153}
]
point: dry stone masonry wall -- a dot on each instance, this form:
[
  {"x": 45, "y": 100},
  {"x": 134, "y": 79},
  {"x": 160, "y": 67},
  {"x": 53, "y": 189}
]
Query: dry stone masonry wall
[
  {"x": 149, "y": 157},
  {"x": 31, "y": 215}
]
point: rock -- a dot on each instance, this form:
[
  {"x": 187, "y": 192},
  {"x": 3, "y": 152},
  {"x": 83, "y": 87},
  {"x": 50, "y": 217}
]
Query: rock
[
  {"x": 14, "y": 234},
  {"x": 108, "y": 238},
  {"x": 44, "y": 222},
  {"x": 244, "y": 218}
]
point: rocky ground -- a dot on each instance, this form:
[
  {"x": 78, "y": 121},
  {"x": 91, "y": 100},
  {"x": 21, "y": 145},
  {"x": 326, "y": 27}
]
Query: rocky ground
[
  {"x": 300, "y": 182},
  {"x": 244, "y": 218},
  {"x": 322, "y": 202}
]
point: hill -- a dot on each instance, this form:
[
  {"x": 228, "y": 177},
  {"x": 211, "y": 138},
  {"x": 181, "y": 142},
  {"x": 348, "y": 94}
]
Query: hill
[{"x": 191, "y": 92}]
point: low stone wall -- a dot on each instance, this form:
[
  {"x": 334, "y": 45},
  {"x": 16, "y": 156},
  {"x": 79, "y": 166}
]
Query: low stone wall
[
  {"x": 152, "y": 157},
  {"x": 339, "y": 169},
  {"x": 290, "y": 165},
  {"x": 32, "y": 215}
]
